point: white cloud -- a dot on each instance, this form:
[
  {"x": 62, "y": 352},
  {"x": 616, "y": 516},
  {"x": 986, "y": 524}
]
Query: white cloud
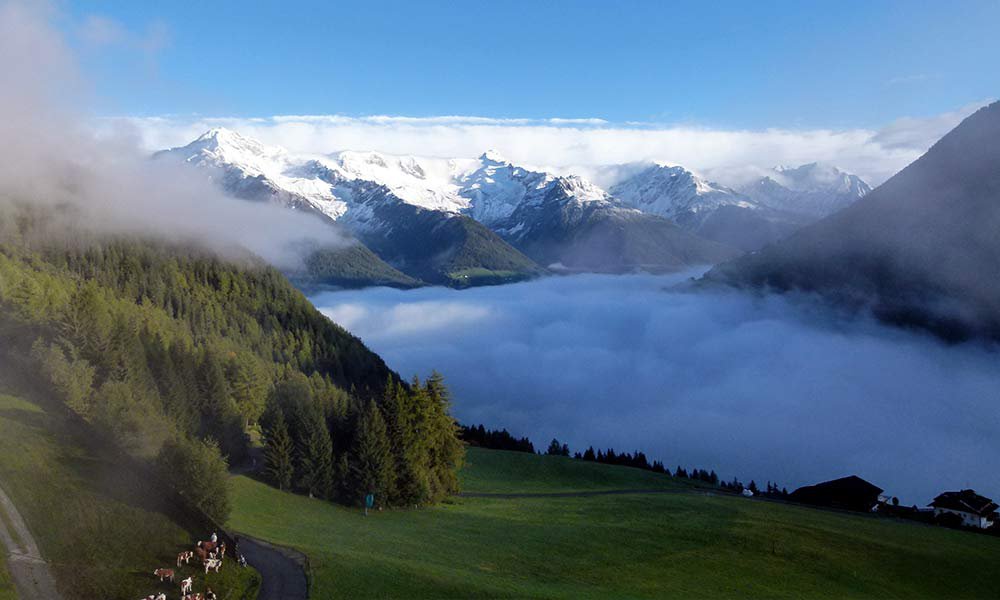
[
  {"x": 765, "y": 388},
  {"x": 580, "y": 145}
]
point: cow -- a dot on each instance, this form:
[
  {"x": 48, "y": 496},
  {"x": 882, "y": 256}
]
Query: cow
[
  {"x": 207, "y": 546},
  {"x": 185, "y": 557},
  {"x": 164, "y": 574},
  {"x": 212, "y": 564},
  {"x": 196, "y": 596},
  {"x": 201, "y": 553},
  {"x": 210, "y": 595},
  {"x": 160, "y": 596},
  {"x": 187, "y": 585},
  {"x": 222, "y": 550}
]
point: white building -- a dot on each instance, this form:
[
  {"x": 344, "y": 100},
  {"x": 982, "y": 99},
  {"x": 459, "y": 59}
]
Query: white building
[{"x": 973, "y": 510}]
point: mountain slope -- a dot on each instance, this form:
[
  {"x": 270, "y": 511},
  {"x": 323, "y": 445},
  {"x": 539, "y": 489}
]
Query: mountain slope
[
  {"x": 922, "y": 249},
  {"x": 568, "y": 223},
  {"x": 811, "y": 190},
  {"x": 677, "y": 194},
  {"x": 402, "y": 208},
  {"x": 757, "y": 214}
]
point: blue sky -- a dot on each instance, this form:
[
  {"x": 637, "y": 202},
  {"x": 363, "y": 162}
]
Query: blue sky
[{"x": 736, "y": 65}]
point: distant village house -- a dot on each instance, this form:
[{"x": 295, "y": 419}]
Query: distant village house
[{"x": 966, "y": 508}]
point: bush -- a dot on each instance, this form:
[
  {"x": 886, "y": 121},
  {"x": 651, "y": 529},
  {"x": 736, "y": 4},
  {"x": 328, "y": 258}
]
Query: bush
[{"x": 198, "y": 471}]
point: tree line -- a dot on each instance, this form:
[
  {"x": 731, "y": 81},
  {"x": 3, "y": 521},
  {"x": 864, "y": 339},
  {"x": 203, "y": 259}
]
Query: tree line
[
  {"x": 402, "y": 447},
  {"x": 479, "y": 435}
]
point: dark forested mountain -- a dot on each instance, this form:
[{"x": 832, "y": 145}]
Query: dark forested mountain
[
  {"x": 170, "y": 348},
  {"x": 922, "y": 249}
]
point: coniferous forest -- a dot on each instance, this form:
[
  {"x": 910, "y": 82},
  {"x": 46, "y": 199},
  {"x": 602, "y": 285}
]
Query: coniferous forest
[{"x": 185, "y": 358}]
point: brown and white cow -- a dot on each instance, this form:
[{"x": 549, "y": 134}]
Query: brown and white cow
[
  {"x": 196, "y": 596},
  {"x": 159, "y": 596},
  {"x": 202, "y": 554},
  {"x": 212, "y": 564},
  {"x": 185, "y": 557},
  {"x": 187, "y": 585},
  {"x": 222, "y": 550},
  {"x": 208, "y": 546},
  {"x": 164, "y": 574}
]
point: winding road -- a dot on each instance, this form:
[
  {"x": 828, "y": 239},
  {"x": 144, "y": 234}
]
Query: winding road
[
  {"x": 282, "y": 570},
  {"x": 28, "y": 569}
]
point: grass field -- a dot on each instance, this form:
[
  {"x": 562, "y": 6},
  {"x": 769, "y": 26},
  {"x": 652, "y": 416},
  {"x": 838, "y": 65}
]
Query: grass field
[
  {"x": 685, "y": 544},
  {"x": 102, "y": 529},
  {"x": 7, "y": 591}
]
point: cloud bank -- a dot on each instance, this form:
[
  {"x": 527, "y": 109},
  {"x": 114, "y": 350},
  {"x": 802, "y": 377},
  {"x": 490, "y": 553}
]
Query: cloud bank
[
  {"x": 767, "y": 388},
  {"x": 51, "y": 157},
  {"x": 581, "y": 146}
]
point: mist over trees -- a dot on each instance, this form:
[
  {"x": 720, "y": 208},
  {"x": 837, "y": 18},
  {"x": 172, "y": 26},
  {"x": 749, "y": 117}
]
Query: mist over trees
[{"x": 177, "y": 356}]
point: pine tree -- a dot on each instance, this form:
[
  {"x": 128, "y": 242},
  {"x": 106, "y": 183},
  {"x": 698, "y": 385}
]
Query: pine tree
[
  {"x": 316, "y": 458},
  {"x": 371, "y": 461},
  {"x": 278, "y": 452},
  {"x": 555, "y": 449},
  {"x": 446, "y": 451}
]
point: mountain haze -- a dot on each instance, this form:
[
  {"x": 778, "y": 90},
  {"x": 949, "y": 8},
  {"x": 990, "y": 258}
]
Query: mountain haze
[{"x": 921, "y": 249}]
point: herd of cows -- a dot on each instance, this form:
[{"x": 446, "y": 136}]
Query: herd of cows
[{"x": 210, "y": 554}]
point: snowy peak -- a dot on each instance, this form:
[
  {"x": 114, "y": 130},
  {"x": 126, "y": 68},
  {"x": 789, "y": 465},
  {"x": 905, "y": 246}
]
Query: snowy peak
[
  {"x": 221, "y": 147},
  {"x": 814, "y": 189},
  {"x": 496, "y": 188},
  {"x": 493, "y": 157},
  {"x": 673, "y": 192}
]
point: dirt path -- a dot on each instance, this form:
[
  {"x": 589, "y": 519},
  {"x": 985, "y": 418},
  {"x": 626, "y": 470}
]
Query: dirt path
[
  {"x": 282, "y": 570},
  {"x": 29, "y": 570}
]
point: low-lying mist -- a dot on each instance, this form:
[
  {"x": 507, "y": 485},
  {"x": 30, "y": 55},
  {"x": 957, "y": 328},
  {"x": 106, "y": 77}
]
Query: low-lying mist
[
  {"x": 763, "y": 388},
  {"x": 50, "y": 158}
]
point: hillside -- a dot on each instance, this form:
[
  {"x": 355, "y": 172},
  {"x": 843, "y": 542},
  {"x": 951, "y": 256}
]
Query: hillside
[
  {"x": 385, "y": 202},
  {"x": 444, "y": 248},
  {"x": 920, "y": 250},
  {"x": 89, "y": 503},
  {"x": 680, "y": 542},
  {"x": 354, "y": 266}
]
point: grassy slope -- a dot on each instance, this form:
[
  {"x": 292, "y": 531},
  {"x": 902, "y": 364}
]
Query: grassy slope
[
  {"x": 7, "y": 591},
  {"x": 637, "y": 546},
  {"x": 99, "y": 526},
  {"x": 499, "y": 471}
]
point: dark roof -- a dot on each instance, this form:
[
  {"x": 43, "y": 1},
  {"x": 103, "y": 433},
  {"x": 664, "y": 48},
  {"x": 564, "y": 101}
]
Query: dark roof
[
  {"x": 851, "y": 483},
  {"x": 965, "y": 501},
  {"x": 847, "y": 492}
]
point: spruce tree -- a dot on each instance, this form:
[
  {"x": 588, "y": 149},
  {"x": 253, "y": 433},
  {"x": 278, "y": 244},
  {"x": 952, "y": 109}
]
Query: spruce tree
[
  {"x": 316, "y": 462},
  {"x": 371, "y": 461},
  {"x": 278, "y": 452}
]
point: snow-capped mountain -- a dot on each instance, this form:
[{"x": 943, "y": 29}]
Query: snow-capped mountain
[
  {"x": 675, "y": 193},
  {"x": 403, "y": 208},
  {"x": 434, "y": 217},
  {"x": 762, "y": 212},
  {"x": 814, "y": 190}
]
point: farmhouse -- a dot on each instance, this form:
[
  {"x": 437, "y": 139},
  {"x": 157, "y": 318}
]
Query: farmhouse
[
  {"x": 850, "y": 493},
  {"x": 973, "y": 510}
]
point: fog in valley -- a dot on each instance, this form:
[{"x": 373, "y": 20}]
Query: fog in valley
[{"x": 763, "y": 388}]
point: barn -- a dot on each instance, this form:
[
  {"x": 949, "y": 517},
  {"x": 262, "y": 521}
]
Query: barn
[{"x": 848, "y": 493}]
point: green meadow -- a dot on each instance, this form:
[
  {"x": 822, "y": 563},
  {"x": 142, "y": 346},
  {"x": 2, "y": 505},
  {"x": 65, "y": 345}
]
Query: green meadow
[
  {"x": 686, "y": 542},
  {"x": 101, "y": 528}
]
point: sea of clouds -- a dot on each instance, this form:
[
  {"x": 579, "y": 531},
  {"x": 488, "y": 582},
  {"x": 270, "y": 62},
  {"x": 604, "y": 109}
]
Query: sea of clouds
[{"x": 763, "y": 388}]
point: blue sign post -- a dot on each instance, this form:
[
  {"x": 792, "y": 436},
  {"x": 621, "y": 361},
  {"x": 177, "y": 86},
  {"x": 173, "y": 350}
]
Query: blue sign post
[{"x": 369, "y": 502}]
